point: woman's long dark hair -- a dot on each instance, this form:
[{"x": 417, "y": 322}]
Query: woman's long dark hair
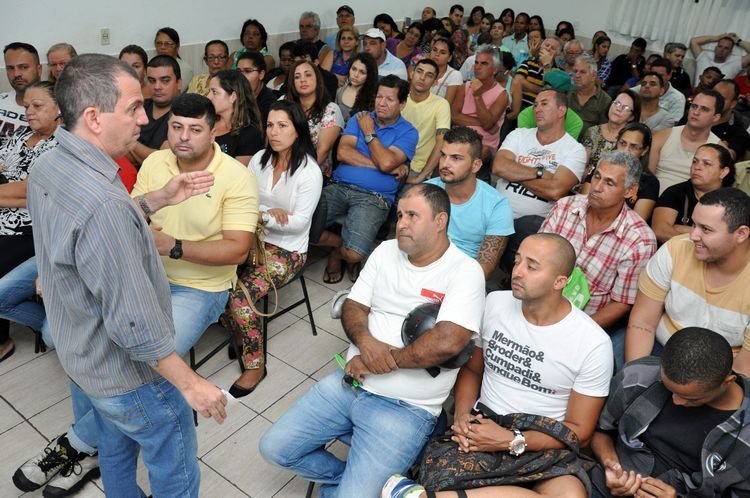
[
  {"x": 321, "y": 95},
  {"x": 245, "y": 110},
  {"x": 302, "y": 147},
  {"x": 365, "y": 100}
]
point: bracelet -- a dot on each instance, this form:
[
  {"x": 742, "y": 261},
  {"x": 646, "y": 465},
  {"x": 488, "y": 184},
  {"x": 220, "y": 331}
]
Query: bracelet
[{"x": 144, "y": 205}]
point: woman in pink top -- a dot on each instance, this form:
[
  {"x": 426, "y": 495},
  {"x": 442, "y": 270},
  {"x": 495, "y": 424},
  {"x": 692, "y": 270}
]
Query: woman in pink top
[{"x": 481, "y": 103}]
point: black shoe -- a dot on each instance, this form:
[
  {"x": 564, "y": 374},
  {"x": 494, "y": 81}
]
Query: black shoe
[{"x": 239, "y": 391}]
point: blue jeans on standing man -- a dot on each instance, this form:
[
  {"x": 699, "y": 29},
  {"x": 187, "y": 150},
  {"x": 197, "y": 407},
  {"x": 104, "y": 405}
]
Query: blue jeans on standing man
[
  {"x": 193, "y": 311},
  {"x": 156, "y": 421},
  {"x": 387, "y": 436}
]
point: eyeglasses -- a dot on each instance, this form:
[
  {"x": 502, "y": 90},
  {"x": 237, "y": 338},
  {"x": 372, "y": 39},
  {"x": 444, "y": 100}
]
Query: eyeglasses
[
  {"x": 621, "y": 106},
  {"x": 211, "y": 58},
  {"x": 165, "y": 44},
  {"x": 629, "y": 146}
]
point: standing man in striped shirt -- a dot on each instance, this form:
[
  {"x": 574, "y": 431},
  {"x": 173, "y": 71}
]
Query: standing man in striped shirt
[{"x": 106, "y": 293}]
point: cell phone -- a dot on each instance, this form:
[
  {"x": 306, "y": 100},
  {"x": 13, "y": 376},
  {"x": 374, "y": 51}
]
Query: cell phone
[{"x": 407, "y": 22}]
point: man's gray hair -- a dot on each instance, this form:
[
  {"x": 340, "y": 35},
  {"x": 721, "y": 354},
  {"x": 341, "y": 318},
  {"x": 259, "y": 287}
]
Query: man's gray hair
[
  {"x": 311, "y": 15},
  {"x": 669, "y": 48},
  {"x": 593, "y": 68},
  {"x": 571, "y": 43},
  {"x": 497, "y": 61},
  {"x": 89, "y": 80},
  {"x": 631, "y": 163}
]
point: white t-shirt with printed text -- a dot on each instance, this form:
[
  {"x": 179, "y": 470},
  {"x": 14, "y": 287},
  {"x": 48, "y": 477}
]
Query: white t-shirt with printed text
[
  {"x": 523, "y": 143},
  {"x": 532, "y": 369},
  {"x": 392, "y": 287}
]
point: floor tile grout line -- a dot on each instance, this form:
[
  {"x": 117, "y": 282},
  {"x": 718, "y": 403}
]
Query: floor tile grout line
[{"x": 227, "y": 480}]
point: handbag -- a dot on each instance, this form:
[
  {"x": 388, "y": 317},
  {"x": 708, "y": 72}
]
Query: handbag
[
  {"x": 445, "y": 468},
  {"x": 256, "y": 257}
]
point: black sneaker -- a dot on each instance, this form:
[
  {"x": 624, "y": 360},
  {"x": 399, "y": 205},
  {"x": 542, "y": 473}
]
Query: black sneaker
[
  {"x": 37, "y": 471},
  {"x": 76, "y": 472}
]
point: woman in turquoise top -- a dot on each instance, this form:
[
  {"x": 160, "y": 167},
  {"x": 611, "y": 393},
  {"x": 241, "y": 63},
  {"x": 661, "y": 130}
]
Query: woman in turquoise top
[{"x": 254, "y": 38}]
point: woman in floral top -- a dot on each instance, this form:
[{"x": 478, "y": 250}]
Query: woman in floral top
[
  {"x": 305, "y": 86},
  {"x": 17, "y": 156}
]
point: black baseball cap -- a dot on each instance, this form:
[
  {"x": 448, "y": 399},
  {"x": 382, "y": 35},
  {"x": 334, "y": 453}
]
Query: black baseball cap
[{"x": 346, "y": 8}]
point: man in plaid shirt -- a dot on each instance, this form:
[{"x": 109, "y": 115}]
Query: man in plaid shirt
[{"x": 612, "y": 242}]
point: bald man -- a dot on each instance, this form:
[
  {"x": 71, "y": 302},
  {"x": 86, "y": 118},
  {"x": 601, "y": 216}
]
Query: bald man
[{"x": 540, "y": 356}]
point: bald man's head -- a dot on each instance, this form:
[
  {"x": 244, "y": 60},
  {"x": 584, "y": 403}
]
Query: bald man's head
[{"x": 564, "y": 256}]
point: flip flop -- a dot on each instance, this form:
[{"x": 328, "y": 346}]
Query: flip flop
[
  {"x": 353, "y": 270},
  {"x": 8, "y": 354},
  {"x": 328, "y": 279}
]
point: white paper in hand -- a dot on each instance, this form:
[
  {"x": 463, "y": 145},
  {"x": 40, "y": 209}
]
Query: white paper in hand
[{"x": 231, "y": 400}]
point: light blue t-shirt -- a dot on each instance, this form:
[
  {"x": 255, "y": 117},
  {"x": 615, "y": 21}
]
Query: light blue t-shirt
[{"x": 486, "y": 213}]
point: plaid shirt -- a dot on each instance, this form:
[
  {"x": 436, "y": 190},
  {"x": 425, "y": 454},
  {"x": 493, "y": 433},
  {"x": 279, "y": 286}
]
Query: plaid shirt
[{"x": 612, "y": 259}]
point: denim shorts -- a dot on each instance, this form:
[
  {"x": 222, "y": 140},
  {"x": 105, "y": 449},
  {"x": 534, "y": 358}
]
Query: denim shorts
[{"x": 363, "y": 213}]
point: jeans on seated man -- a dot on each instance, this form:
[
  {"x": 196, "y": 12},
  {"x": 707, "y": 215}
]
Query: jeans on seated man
[
  {"x": 375, "y": 149},
  {"x": 391, "y": 415},
  {"x": 200, "y": 240},
  {"x": 676, "y": 426},
  {"x": 539, "y": 355}
]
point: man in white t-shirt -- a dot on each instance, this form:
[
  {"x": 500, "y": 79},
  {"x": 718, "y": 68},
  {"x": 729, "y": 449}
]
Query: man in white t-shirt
[
  {"x": 540, "y": 355},
  {"x": 390, "y": 416},
  {"x": 537, "y": 166},
  {"x": 23, "y": 68},
  {"x": 731, "y": 65}
]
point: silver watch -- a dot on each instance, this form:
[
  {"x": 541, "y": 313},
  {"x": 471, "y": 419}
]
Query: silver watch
[{"x": 518, "y": 444}]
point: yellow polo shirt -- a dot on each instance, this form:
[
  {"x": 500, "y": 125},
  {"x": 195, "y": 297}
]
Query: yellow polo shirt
[{"x": 231, "y": 204}]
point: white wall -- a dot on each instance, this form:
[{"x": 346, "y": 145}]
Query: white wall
[{"x": 44, "y": 22}]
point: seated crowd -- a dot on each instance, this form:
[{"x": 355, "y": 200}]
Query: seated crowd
[{"x": 601, "y": 196}]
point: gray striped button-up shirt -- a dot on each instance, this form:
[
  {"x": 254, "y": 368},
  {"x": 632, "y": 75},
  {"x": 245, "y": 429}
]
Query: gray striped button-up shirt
[{"x": 105, "y": 290}]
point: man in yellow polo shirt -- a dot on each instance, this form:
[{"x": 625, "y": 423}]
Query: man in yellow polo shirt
[
  {"x": 431, "y": 116},
  {"x": 203, "y": 239}
]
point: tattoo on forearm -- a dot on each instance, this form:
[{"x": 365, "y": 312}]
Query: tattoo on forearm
[{"x": 491, "y": 249}]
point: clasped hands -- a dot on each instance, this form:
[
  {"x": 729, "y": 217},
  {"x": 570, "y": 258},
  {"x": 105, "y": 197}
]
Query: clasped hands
[
  {"x": 374, "y": 357},
  {"x": 476, "y": 433}
]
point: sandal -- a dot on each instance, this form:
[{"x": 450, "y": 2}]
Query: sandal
[
  {"x": 353, "y": 270},
  {"x": 329, "y": 278}
]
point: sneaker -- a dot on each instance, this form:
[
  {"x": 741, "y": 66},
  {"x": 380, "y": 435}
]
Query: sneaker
[
  {"x": 398, "y": 486},
  {"x": 37, "y": 471},
  {"x": 76, "y": 472}
]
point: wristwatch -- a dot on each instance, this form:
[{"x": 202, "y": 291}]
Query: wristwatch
[
  {"x": 518, "y": 445},
  {"x": 539, "y": 171},
  {"x": 176, "y": 251},
  {"x": 370, "y": 137}
]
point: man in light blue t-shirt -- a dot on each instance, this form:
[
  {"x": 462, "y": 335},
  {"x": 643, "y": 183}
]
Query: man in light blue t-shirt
[{"x": 481, "y": 218}]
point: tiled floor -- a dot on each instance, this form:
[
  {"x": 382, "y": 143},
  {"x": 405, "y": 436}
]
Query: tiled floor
[{"x": 35, "y": 404}]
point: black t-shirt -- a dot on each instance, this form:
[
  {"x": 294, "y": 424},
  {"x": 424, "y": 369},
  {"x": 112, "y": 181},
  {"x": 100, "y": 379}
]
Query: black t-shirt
[
  {"x": 621, "y": 70},
  {"x": 681, "y": 81},
  {"x": 674, "y": 198},
  {"x": 676, "y": 436},
  {"x": 154, "y": 133},
  {"x": 735, "y": 135},
  {"x": 246, "y": 143}
]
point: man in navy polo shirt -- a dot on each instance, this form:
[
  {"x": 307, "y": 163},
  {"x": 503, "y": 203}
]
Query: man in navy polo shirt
[{"x": 374, "y": 153}]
